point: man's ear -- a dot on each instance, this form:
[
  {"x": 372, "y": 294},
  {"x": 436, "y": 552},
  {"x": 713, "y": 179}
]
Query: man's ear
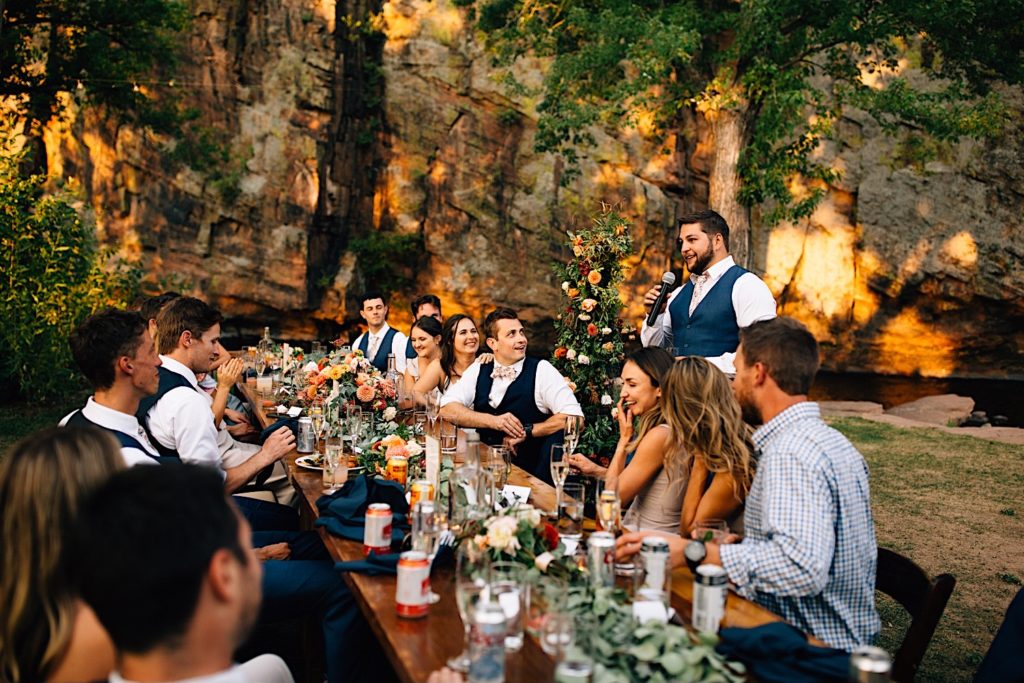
[
  {"x": 760, "y": 374},
  {"x": 491, "y": 343},
  {"x": 126, "y": 365},
  {"x": 222, "y": 575},
  {"x": 185, "y": 339}
]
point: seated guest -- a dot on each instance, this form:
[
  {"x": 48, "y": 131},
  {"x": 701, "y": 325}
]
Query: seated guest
[
  {"x": 460, "y": 342},
  {"x": 424, "y": 306},
  {"x": 1003, "y": 663},
  {"x": 47, "y": 632},
  {"x": 380, "y": 340},
  {"x": 518, "y": 400},
  {"x": 809, "y": 554},
  {"x": 165, "y": 561},
  {"x": 151, "y": 307},
  {"x": 637, "y": 469},
  {"x": 426, "y": 338},
  {"x": 114, "y": 351},
  {"x": 178, "y": 417},
  {"x": 710, "y": 444}
]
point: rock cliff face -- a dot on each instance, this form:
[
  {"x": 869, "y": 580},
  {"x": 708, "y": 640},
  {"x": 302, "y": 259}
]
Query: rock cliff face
[{"x": 341, "y": 123}]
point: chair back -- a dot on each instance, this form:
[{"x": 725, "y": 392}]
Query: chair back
[{"x": 923, "y": 597}]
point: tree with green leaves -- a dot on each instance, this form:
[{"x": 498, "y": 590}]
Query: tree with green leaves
[
  {"x": 98, "y": 50},
  {"x": 766, "y": 79}
]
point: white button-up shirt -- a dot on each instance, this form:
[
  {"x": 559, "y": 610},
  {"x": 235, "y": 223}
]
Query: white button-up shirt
[
  {"x": 116, "y": 421},
  {"x": 398, "y": 345},
  {"x": 551, "y": 392},
  {"x": 751, "y": 300}
]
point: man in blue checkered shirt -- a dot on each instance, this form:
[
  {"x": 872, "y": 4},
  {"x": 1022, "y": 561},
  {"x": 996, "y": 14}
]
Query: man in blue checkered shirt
[{"x": 809, "y": 553}]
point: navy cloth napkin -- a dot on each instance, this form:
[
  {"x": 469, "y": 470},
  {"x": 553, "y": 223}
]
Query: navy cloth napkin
[
  {"x": 779, "y": 653},
  {"x": 343, "y": 513},
  {"x": 290, "y": 422},
  {"x": 373, "y": 565}
]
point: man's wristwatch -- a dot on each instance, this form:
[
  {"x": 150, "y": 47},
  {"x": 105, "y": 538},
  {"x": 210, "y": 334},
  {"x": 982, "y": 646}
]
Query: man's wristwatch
[
  {"x": 528, "y": 428},
  {"x": 694, "y": 552}
]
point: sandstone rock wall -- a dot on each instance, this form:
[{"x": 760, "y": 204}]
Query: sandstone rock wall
[{"x": 908, "y": 266}]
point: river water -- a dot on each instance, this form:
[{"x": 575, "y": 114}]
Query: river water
[{"x": 994, "y": 396}]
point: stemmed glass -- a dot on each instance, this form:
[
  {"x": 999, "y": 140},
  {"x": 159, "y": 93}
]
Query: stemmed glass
[
  {"x": 428, "y": 523},
  {"x": 316, "y": 414},
  {"x": 353, "y": 424},
  {"x": 571, "y": 436},
  {"x": 472, "y": 578},
  {"x": 559, "y": 471},
  {"x": 609, "y": 509}
]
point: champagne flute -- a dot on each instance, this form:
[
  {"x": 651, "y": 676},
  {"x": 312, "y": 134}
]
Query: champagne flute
[
  {"x": 609, "y": 509},
  {"x": 353, "y": 424},
  {"x": 571, "y": 435},
  {"x": 472, "y": 577},
  {"x": 316, "y": 414},
  {"x": 559, "y": 471}
]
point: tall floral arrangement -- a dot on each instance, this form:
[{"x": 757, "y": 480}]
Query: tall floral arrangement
[{"x": 591, "y": 334}]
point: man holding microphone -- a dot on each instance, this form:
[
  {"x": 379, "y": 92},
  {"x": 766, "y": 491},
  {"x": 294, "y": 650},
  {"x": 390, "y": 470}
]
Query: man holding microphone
[{"x": 705, "y": 315}]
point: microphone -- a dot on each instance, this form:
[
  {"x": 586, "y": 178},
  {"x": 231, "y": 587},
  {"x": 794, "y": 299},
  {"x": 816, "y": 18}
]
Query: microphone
[{"x": 667, "y": 280}]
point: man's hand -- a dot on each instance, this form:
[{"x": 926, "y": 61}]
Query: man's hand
[
  {"x": 445, "y": 675},
  {"x": 274, "y": 551},
  {"x": 241, "y": 431},
  {"x": 628, "y": 544},
  {"x": 228, "y": 374},
  {"x": 509, "y": 424},
  {"x": 651, "y": 296},
  {"x": 278, "y": 444},
  {"x": 237, "y": 416},
  {"x": 512, "y": 443}
]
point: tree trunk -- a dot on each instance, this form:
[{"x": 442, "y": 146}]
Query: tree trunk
[{"x": 728, "y": 128}]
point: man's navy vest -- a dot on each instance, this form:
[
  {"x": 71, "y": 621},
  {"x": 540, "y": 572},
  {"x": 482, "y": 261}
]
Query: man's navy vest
[
  {"x": 78, "y": 419},
  {"x": 380, "y": 361},
  {"x": 518, "y": 400},
  {"x": 712, "y": 329},
  {"x": 168, "y": 380}
]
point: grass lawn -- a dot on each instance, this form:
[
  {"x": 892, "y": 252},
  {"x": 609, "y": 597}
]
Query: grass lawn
[{"x": 950, "y": 503}]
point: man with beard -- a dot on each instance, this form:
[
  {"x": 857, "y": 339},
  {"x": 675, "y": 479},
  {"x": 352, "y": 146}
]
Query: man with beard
[
  {"x": 705, "y": 315},
  {"x": 165, "y": 561},
  {"x": 809, "y": 554}
]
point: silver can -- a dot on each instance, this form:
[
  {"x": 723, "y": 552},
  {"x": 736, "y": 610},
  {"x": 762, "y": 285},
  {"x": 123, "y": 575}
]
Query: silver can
[
  {"x": 656, "y": 583},
  {"x": 869, "y": 665},
  {"x": 709, "y": 591},
  {"x": 601, "y": 558},
  {"x": 304, "y": 441},
  {"x": 487, "y": 643}
]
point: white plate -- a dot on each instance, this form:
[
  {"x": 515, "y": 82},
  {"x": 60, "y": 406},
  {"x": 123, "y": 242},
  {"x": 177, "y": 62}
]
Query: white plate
[{"x": 306, "y": 462}]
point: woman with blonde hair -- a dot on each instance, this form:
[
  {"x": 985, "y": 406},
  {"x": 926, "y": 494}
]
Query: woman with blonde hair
[
  {"x": 46, "y": 632},
  {"x": 709, "y": 444}
]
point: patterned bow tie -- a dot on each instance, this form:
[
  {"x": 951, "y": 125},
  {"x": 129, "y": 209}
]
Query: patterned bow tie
[{"x": 503, "y": 372}]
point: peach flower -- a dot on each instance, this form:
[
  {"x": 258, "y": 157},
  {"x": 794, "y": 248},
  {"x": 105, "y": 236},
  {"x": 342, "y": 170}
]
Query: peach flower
[
  {"x": 594, "y": 277},
  {"x": 588, "y": 305},
  {"x": 365, "y": 393}
]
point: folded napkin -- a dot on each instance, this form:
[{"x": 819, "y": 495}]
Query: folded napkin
[
  {"x": 343, "y": 513},
  {"x": 779, "y": 653},
  {"x": 290, "y": 422},
  {"x": 373, "y": 565}
]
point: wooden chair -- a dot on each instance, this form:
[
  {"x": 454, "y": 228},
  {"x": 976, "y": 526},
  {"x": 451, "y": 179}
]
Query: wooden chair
[{"x": 923, "y": 597}]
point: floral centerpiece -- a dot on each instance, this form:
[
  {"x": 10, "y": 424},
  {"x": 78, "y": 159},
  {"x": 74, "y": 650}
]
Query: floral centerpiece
[
  {"x": 399, "y": 442},
  {"x": 521, "y": 534},
  {"x": 591, "y": 334},
  {"x": 340, "y": 379}
]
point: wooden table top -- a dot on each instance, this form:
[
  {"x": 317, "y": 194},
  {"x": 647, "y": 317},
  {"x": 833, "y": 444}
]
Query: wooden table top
[{"x": 417, "y": 647}]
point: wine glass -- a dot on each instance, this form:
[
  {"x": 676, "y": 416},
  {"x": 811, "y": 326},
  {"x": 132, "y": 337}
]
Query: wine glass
[
  {"x": 316, "y": 414},
  {"x": 472, "y": 578},
  {"x": 559, "y": 471},
  {"x": 609, "y": 509},
  {"x": 353, "y": 424},
  {"x": 571, "y": 436},
  {"x": 428, "y": 523}
]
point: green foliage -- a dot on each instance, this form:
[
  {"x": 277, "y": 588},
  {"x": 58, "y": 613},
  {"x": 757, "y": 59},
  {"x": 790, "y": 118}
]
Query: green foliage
[
  {"x": 53, "y": 276},
  {"x": 589, "y": 330},
  {"x": 207, "y": 150},
  {"x": 387, "y": 260},
  {"x": 786, "y": 68}
]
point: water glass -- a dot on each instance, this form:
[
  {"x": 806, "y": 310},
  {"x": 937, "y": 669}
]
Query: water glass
[
  {"x": 509, "y": 588},
  {"x": 472, "y": 576},
  {"x": 557, "y": 634},
  {"x": 570, "y": 512},
  {"x": 419, "y": 418},
  {"x": 714, "y": 530},
  {"x": 449, "y": 438},
  {"x": 499, "y": 473}
]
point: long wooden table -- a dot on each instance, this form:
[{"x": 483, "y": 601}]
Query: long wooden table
[{"x": 416, "y": 647}]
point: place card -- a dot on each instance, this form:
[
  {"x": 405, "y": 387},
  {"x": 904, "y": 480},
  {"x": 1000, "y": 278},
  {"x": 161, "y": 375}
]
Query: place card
[{"x": 516, "y": 494}]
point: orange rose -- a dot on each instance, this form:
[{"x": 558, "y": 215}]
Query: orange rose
[
  {"x": 561, "y": 351},
  {"x": 573, "y": 292},
  {"x": 365, "y": 393},
  {"x": 594, "y": 277},
  {"x": 310, "y": 393},
  {"x": 592, "y": 330}
]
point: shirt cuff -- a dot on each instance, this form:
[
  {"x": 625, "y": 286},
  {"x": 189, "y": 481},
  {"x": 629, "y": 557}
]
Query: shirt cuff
[{"x": 736, "y": 567}]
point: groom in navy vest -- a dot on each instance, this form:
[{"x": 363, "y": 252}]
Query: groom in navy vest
[
  {"x": 706, "y": 314},
  {"x": 380, "y": 339},
  {"x": 517, "y": 400}
]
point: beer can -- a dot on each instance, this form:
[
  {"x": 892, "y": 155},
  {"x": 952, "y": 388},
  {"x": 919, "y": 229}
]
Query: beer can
[
  {"x": 601, "y": 558},
  {"x": 869, "y": 665},
  {"x": 709, "y": 591},
  {"x": 304, "y": 441},
  {"x": 657, "y": 577},
  {"x": 487, "y": 643},
  {"x": 397, "y": 469},
  {"x": 377, "y": 532},
  {"x": 421, "y": 489},
  {"x": 412, "y": 595}
]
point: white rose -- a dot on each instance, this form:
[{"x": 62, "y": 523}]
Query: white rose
[
  {"x": 543, "y": 560},
  {"x": 529, "y": 513},
  {"x": 390, "y": 412},
  {"x": 584, "y": 317},
  {"x": 570, "y": 354},
  {"x": 501, "y": 534},
  {"x": 565, "y": 286},
  {"x": 413, "y": 448},
  {"x": 584, "y": 360},
  {"x": 606, "y": 330},
  {"x": 606, "y": 400}
]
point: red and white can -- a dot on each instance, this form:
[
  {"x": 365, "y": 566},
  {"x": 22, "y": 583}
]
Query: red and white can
[
  {"x": 377, "y": 532},
  {"x": 412, "y": 597}
]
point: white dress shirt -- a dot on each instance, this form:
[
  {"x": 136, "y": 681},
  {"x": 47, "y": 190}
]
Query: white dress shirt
[
  {"x": 751, "y": 300},
  {"x": 183, "y": 420},
  {"x": 398, "y": 345},
  {"x": 116, "y": 421},
  {"x": 261, "y": 669},
  {"x": 551, "y": 392}
]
